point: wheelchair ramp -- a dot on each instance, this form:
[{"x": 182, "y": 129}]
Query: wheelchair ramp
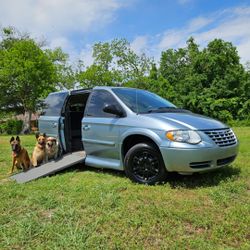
[{"x": 50, "y": 168}]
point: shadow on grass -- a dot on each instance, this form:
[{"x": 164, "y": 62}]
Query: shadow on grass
[
  {"x": 175, "y": 180},
  {"x": 209, "y": 179},
  {"x": 82, "y": 167}
]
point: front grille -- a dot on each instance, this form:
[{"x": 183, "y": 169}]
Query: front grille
[
  {"x": 203, "y": 164},
  {"x": 222, "y": 137},
  {"x": 225, "y": 161}
]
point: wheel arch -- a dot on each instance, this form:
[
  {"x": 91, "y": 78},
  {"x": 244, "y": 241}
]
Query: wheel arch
[{"x": 139, "y": 137}]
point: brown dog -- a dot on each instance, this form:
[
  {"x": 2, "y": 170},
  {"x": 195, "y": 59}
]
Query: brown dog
[
  {"x": 20, "y": 155},
  {"x": 39, "y": 154},
  {"x": 52, "y": 148}
]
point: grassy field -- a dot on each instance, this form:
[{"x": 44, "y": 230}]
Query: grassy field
[{"x": 83, "y": 208}]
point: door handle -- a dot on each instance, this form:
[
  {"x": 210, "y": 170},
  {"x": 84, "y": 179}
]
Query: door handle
[
  {"x": 86, "y": 127},
  {"x": 54, "y": 125}
]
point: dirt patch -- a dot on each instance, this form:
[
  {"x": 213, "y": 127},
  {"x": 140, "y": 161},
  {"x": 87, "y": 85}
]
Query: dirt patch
[{"x": 192, "y": 229}]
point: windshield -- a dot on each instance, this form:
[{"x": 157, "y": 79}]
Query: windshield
[{"x": 142, "y": 101}]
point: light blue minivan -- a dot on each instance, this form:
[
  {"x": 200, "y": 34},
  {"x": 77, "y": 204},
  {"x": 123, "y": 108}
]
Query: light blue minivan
[{"x": 136, "y": 131}]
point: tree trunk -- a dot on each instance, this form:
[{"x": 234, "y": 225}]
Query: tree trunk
[{"x": 26, "y": 122}]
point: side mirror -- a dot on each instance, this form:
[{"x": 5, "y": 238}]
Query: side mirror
[{"x": 112, "y": 109}]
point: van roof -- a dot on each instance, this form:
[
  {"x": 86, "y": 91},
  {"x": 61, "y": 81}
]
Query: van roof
[{"x": 84, "y": 89}]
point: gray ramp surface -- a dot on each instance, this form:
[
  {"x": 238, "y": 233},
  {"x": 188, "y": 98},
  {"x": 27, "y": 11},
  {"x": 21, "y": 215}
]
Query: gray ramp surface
[{"x": 50, "y": 167}]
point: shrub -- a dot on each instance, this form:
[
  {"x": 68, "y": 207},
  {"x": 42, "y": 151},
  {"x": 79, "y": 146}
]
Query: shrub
[
  {"x": 11, "y": 126},
  {"x": 239, "y": 123}
]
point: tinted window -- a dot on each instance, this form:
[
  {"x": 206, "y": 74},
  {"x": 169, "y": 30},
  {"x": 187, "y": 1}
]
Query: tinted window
[
  {"x": 53, "y": 104},
  {"x": 97, "y": 102},
  {"x": 141, "y": 101}
]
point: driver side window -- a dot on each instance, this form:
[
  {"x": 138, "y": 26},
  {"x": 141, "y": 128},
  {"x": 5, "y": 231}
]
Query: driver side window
[{"x": 98, "y": 100}]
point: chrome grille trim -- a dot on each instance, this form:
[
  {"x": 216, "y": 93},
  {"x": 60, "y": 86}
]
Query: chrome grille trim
[{"x": 222, "y": 137}]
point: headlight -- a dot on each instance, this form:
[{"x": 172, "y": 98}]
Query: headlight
[{"x": 188, "y": 136}]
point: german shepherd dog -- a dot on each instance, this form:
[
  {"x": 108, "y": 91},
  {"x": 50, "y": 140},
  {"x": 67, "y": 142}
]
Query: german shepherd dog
[
  {"x": 39, "y": 154},
  {"x": 20, "y": 155}
]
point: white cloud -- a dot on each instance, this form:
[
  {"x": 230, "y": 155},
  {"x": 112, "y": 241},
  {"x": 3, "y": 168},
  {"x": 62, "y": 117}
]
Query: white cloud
[
  {"x": 86, "y": 55},
  {"x": 244, "y": 50},
  {"x": 62, "y": 42},
  {"x": 139, "y": 44},
  {"x": 241, "y": 11},
  {"x": 231, "y": 30},
  {"x": 66, "y": 45},
  {"x": 231, "y": 25},
  {"x": 57, "y": 16},
  {"x": 60, "y": 20},
  {"x": 198, "y": 23},
  {"x": 177, "y": 38},
  {"x": 171, "y": 38}
]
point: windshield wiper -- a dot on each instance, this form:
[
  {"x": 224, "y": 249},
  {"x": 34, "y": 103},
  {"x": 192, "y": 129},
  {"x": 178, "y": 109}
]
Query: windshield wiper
[
  {"x": 161, "y": 109},
  {"x": 168, "y": 109}
]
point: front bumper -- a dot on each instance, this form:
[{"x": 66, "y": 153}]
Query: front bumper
[{"x": 198, "y": 159}]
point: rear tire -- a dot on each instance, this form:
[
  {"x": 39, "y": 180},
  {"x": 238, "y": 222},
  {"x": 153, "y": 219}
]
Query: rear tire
[{"x": 144, "y": 164}]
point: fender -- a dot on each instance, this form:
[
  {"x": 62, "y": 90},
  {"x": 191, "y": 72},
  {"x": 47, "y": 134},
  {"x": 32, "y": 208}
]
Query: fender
[{"x": 141, "y": 131}]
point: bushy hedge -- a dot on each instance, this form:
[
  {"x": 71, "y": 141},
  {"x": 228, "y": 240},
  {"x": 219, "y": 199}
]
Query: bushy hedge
[
  {"x": 239, "y": 123},
  {"x": 11, "y": 127}
]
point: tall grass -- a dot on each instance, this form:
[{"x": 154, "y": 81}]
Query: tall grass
[{"x": 84, "y": 208}]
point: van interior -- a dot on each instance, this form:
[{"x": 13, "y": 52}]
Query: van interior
[{"x": 74, "y": 111}]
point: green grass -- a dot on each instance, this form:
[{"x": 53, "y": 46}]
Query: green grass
[{"x": 84, "y": 208}]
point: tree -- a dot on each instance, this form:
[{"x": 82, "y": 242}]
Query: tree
[
  {"x": 245, "y": 95},
  {"x": 65, "y": 75},
  {"x": 27, "y": 74},
  {"x": 97, "y": 75},
  {"x": 211, "y": 81},
  {"x": 223, "y": 78},
  {"x": 115, "y": 63}
]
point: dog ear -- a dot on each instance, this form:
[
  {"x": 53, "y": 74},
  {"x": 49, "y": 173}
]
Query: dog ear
[
  {"x": 44, "y": 134},
  {"x": 17, "y": 138},
  {"x": 37, "y": 135},
  {"x": 12, "y": 139}
]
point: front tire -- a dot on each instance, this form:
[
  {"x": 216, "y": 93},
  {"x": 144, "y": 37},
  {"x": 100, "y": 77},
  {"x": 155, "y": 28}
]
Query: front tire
[{"x": 144, "y": 164}]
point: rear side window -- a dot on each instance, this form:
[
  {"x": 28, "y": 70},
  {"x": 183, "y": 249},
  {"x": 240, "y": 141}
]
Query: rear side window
[
  {"x": 97, "y": 102},
  {"x": 53, "y": 104}
]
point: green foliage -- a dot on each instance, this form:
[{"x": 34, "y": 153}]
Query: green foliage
[
  {"x": 11, "y": 127},
  {"x": 210, "y": 81},
  {"x": 6, "y": 115},
  {"x": 239, "y": 123},
  {"x": 115, "y": 63},
  {"x": 28, "y": 73},
  {"x": 64, "y": 73},
  {"x": 96, "y": 75}
]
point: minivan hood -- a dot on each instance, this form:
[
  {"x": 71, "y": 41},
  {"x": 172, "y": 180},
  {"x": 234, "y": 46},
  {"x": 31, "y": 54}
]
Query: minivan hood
[{"x": 188, "y": 120}]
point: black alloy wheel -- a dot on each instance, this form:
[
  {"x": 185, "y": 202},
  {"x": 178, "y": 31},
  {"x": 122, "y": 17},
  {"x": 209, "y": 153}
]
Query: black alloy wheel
[{"x": 144, "y": 164}]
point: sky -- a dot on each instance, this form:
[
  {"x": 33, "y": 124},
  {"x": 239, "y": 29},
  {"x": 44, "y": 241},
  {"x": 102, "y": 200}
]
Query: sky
[{"x": 150, "y": 26}]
